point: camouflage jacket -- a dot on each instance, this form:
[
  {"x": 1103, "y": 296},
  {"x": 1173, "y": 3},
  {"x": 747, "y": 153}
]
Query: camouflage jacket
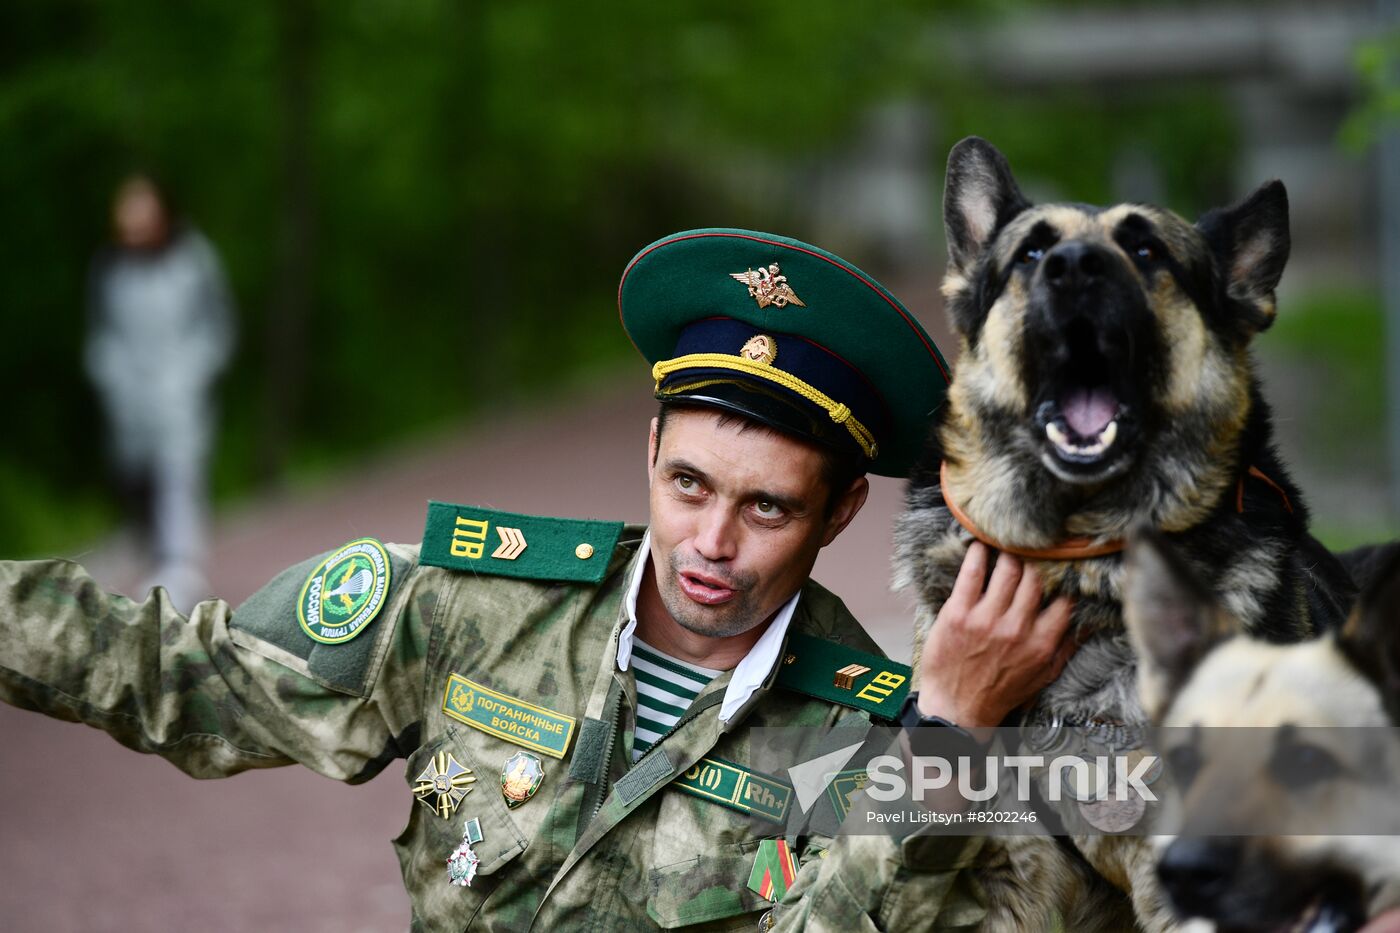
[{"x": 603, "y": 845}]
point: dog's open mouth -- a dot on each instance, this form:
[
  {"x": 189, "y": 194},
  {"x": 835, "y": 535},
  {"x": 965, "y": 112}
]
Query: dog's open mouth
[
  {"x": 1085, "y": 416},
  {"x": 1084, "y": 424}
]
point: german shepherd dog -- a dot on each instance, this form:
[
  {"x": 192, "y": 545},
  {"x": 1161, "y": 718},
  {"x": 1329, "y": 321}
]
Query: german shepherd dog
[
  {"x": 1196, "y": 671},
  {"x": 1104, "y": 381}
]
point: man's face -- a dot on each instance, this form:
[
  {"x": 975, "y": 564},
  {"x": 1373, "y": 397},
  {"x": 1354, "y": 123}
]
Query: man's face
[{"x": 737, "y": 519}]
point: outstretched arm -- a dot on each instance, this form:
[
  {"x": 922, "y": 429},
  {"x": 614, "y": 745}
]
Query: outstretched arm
[{"x": 207, "y": 692}]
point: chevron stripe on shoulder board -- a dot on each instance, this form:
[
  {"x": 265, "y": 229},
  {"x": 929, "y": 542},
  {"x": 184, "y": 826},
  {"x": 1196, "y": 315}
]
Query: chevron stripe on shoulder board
[
  {"x": 830, "y": 671},
  {"x": 508, "y": 544}
]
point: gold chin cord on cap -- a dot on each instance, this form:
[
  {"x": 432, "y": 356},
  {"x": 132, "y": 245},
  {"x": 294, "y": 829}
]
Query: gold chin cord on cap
[{"x": 839, "y": 413}]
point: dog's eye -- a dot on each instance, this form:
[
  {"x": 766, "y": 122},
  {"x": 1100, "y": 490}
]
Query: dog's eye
[
  {"x": 1298, "y": 765},
  {"x": 1030, "y": 255},
  {"x": 1145, "y": 253}
]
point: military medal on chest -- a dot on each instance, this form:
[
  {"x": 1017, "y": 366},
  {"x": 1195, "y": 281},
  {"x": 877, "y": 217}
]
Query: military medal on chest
[
  {"x": 443, "y": 784},
  {"x": 463, "y": 862},
  {"x": 520, "y": 778},
  {"x": 774, "y": 869}
]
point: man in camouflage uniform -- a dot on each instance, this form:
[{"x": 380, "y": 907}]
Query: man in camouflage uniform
[{"x": 498, "y": 655}]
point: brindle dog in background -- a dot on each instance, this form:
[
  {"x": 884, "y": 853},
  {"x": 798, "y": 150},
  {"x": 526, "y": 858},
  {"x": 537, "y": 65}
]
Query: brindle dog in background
[{"x": 1104, "y": 381}]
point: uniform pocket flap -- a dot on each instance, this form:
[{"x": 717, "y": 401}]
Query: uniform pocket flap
[
  {"x": 710, "y": 886},
  {"x": 435, "y": 775}
]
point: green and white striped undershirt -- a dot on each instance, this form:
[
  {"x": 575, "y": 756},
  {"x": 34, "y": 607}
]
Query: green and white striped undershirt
[{"x": 666, "y": 687}]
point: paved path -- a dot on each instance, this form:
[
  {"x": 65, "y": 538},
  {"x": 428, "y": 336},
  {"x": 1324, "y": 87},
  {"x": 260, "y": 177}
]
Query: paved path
[{"x": 96, "y": 838}]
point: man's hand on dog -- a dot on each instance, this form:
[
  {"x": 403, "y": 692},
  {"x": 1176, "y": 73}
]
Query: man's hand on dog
[{"x": 992, "y": 647}]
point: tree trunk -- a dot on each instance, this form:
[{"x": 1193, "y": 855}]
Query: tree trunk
[{"x": 291, "y": 298}]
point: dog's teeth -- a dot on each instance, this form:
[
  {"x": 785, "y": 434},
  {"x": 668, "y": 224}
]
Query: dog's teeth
[
  {"x": 1109, "y": 434},
  {"x": 1061, "y": 439}
]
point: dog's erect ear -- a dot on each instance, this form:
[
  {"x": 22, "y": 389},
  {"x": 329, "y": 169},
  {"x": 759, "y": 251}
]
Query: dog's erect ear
[
  {"x": 1371, "y": 636},
  {"x": 979, "y": 197},
  {"x": 1173, "y": 621},
  {"x": 1251, "y": 242}
]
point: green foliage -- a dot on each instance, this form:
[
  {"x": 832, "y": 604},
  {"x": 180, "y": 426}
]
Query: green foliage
[
  {"x": 1377, "y": 64},
  {"x": 1335, "y": 340},
  {"x": 44, "y": 520},
  {"x": 1341, "y": 336},
  {"x": 1069, "y": 138},
  {"x": 1342, "y": 537},
  {"x": 477, "y": 175}
]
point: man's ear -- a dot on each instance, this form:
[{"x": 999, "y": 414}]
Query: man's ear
[
  {"x": 1172, "y": 620},
  {"x": 651, "y": 452},
  {"x": 979, "y": 197},
  {"x": 1251, "y": 242},
  {"x": 848, "y": 505}
]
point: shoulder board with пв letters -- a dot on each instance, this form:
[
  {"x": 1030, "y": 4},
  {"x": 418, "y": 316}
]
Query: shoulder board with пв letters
[
  {"x": 507, "y": 544},
  {"x": 834, "y": 672}
]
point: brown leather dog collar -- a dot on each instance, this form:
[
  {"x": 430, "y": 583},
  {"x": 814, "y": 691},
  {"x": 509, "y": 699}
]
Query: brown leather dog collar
[{"x": 1077, "y": 548}]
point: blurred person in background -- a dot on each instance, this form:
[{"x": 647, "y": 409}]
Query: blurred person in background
[{"x": 160, "y": 332}]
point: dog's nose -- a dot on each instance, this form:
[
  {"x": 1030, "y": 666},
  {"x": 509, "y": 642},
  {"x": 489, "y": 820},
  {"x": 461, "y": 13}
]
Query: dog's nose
[
  {"x": 1198, "y": 872},
  {"x": 1074, "y": 265}
]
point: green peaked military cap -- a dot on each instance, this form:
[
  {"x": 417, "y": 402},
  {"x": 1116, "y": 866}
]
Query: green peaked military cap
[{"x": 787, "y": 334}]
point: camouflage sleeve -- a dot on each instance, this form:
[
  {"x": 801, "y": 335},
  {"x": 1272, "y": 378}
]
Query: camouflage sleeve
[
  {"x": 867, "y": 883},
  {"x": 214, "y": 693}
]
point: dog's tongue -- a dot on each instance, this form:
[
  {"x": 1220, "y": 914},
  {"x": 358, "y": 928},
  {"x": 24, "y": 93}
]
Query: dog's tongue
[{"x": 1088, "y": 411}]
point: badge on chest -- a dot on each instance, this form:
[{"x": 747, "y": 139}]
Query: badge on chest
[{"x": 506, "y": 717}]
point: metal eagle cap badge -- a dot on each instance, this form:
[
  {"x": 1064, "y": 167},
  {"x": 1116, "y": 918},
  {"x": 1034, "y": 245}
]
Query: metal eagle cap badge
[
  {"x": 443, "y": 784},
  {"x": 768, "y": 286}
]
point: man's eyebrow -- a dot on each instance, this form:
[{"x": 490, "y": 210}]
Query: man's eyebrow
[
  {"x": 678, "y": 465},
  {"x": 782, "y": 500},
  {"x": 786, "y": 503}
]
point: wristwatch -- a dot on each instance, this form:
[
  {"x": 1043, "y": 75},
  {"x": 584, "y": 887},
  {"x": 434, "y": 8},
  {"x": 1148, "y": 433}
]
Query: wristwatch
[{"x": 951, "y": 738}]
